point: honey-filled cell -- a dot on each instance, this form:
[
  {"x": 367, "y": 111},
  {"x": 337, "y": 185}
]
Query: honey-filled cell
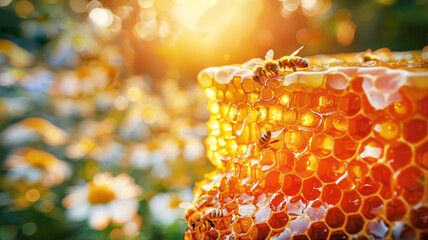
[
  {"x": 330, "y": 169},
  {"x": 372, "y": 207},
  {"x": 278, "y": 220},
  {"x": 418, "y": 217},
  {"x": 401, "y": 107},
  {"x": 291, "y": 185},
  {"x": 331, "y": 194},
  {"x": 395, "y": 210},
  {"x": 351, "y": 201},
  {"x": 321, "y": 145},
  {"x": 368, "y": 186},
  {"x": 412, "y": 181},
  {"x": 291, "y": 116},
  {"x": 295, "y": 141},
  {"x": 345, "y": 148},
  {"x": 306, "y": 165},
  {"x": 335, "y": 125},
  {"x": 339, "y": 235},
  {"x": 335, "y": 218},
  {"x": 272, "y": 181},
  {"x": 350, "y": 104},
  {"x": 357, "y": 170},
  {"x": 421, "y": 157},
  {"x": 358, "y": 82},
  {"x": 415, "y": 130},
  {"x": 387, "y": 129},
  {"x": 354, "y": 224},
  {"x": 248, "y": 85},
  {"x": 242, "y": 112},
  {"x": 399, "y": 155},
  {"x": 311, "y": 188},
  {"x": 309, "y": 119},
  {"x": 285, "y": 160},
  {"x": 266, "y": 94},
  {"x": 359, "y": 127},
  {"x": 318, "y": 230},
  {"x": 299, "y": 99},
  {"x": 285, "y": 99},
  {"x": 323, "y": 102},
  {"x": 275, "y": 114},
  {"x": 423, "y": 107}
]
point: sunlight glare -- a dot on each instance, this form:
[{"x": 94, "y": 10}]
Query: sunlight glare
[{"x": 101, "y": 17}]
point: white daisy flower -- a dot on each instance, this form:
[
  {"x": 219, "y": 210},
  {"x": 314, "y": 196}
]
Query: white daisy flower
[
  {"x": 164, "y": 206},
  {"x": 33, "y": 129},
  {"x": 104, "y": 199},
  {"x": 36, "y": 166}
]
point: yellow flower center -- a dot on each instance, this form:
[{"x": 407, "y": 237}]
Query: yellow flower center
[
  {"x": 100, "y": 194},
  {"x": 175, "y": 201}
]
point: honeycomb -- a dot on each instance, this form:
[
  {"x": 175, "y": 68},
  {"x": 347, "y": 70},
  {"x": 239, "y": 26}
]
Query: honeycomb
[{"x": 350, "y": 156}]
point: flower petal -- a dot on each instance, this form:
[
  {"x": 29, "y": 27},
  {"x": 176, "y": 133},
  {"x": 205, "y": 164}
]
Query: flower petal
[
  {"x": 123, "y": 210},
  {"x": 99, "y": 217}
]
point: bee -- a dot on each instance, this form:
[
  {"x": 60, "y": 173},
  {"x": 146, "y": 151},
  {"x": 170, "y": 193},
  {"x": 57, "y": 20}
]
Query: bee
[
  {"x": 264, "y": 140},
  {"x": 265, "y": 69},
  {"x": 368, "y": 56},
  {"x": 293, "y": 61},
  {"x": 201, "y": 220}
]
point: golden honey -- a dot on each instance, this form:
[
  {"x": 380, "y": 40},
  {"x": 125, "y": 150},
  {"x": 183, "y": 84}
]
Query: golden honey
[{"x": 351, "y": 160}]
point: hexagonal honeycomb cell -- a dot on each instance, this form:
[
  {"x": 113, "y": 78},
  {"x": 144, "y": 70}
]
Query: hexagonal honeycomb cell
[{"x": 326, "y": 152}]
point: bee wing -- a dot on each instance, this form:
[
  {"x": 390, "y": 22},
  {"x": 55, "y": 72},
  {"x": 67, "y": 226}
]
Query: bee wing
[
  {"x": 185, "y": 205},
  {"x": 257, "y": 61},
  {"x": 296, "y": 52},
  {"x": 269, "y": 55},
  {"x": 275, "y": 134},
  {"x": 252, "y": 63},
  {"x": 201, "y": 202}
]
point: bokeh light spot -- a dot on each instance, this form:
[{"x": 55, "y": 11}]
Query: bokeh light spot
[
  {"x": 78, "y": 6},
  {"x": 24, "y": 8},
  {"x": 345, "y": 32},
  {"x": 79, "y": 44},
  {"x": 32, "y": 195},
  {"x": 120, "y": 103},
  {"x": 46, "y": 206},
  {"x": 101, "y": 17},
  {"x": 29, "y": 228},
  {"x": 134, "y": 94},
  {"x": 146, "y": 3},
  {"x": 149, "y": 116}
]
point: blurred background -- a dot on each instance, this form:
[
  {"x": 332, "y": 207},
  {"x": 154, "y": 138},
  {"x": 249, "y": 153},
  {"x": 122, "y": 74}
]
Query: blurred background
[{"x": 102, "y": 122}]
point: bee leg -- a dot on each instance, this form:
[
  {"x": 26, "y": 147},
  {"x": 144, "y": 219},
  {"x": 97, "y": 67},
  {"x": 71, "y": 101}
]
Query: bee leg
[{"x": 293, "y": 66}]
